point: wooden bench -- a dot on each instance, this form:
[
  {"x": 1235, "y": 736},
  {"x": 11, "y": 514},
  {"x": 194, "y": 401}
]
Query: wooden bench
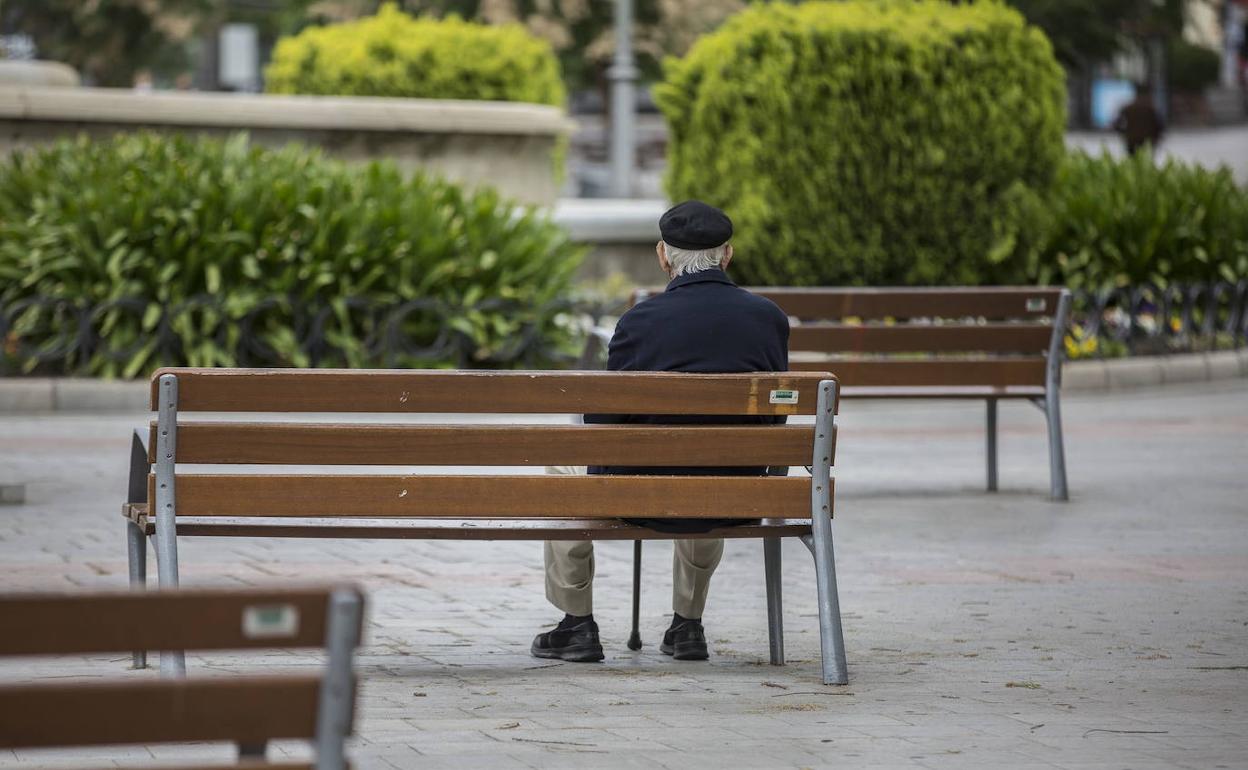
[
  {"x": 247, "y": 710},
  {"x": 170, "y": 502},
  {"x": 988, "y": 343}
]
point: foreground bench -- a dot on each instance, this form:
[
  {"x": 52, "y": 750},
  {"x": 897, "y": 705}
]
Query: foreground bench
[
  {"x": 172, "y": 503},
  {"x": 985, "y": 343},
  {"x": 246, "y": 710}
]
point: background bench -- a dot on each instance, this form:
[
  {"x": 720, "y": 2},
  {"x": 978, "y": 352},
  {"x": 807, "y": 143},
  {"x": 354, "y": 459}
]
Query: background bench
[
  {"x": 988, "y": 343},
  {"x": 246, "y": 710},
  {"x": 313, "y": 503}
]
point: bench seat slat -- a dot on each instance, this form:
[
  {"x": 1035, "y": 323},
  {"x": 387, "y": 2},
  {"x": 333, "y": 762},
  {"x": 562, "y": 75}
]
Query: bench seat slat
[
  {"x": 944, "y": 338},
  {"x": 238, "y": 709},
  {"x": 416, "y": 391},
  {"x": 535, "y": 445},
  {"x": 948, "y": 392},
  {"x": 454, "y": 529},
  {"x": 502, "y": 496},
  {"x": 123, "y": 621},
  {"x": 932, "y": 373}
]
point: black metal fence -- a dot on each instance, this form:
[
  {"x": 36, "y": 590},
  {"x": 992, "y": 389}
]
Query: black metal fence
[
  {"x": 52, "y": 336},
  {"x": 1156, "y": 320}
]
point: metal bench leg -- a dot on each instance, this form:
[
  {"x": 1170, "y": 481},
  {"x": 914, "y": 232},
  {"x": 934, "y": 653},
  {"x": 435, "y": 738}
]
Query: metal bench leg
[
  {"x": 333, "y": 716},
  {"x": 1052, "y": 401},
  {"x": 831, "y": 638},
  {"x": 172, "y": 662},
  {"x": 136, "y": 549},
  {"x": 1057, "y": 446},
  {"x": 634, "y": 638},
  {"x": 253, "y": 751},
  {"x": 775, "y": 599},
  {"x": 136, "y": 542},
  {"x": 992, "y": 444}
]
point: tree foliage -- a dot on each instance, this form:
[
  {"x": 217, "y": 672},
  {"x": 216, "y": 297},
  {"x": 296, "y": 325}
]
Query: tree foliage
[
  {"x": 1084, "y": 33},
  {"x": 108, "y": 41}
]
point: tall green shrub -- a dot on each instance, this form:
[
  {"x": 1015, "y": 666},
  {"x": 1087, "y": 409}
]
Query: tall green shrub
[
  {"x": 867, "y": 141},
  {"x": 1192, "y": 68},
  {"x": 157, "y": 221},
  {"x": 393, "y": 54},
  {"x": 1124, "y": 222}
]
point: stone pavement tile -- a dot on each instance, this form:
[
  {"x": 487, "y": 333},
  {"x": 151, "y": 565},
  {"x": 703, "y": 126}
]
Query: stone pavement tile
[
  {"x": 1204, "y": 757},
  {"x": 416, "y": 761},
  {"x": 86, "y": 755},
  {"x": 193, "y": 752},
  {"x": 1125, "y": 763},
  {"x": 592, "y": 721},
  {"x": 683, "y": 740},
  {"x": 955, "y": 759},
  {"x": 393, "y": 758}
]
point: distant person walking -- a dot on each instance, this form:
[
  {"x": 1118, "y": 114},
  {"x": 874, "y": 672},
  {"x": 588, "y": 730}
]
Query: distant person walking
[{"x": 1140, "y": 123}]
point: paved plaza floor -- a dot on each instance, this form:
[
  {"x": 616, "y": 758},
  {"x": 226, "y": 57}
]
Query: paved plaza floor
[{"x": 983, "y": 630}]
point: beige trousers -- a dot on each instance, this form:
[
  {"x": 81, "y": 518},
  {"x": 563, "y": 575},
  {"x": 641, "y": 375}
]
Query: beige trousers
[{"x": 570, "y": 569}]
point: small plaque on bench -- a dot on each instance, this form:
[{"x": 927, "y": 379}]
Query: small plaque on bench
[
  {"x": 270, "y": 621},
  {"x": 1036, "y": 304},
  {"x": 784, "y": 397}
]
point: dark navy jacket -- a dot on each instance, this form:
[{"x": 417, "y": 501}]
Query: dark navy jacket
[{"x": 702, "y": 323}]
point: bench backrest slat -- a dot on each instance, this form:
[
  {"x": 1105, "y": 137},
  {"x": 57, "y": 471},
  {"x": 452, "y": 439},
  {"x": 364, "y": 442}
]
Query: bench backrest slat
[
  {"x": 240, "y": 709},
  {"x": 1006, "y": 372},
  {"x": 190, "y": 620},
  {"x": 988, "y": 302},
  {"x": 466, "y": 497},
  {"x": 945, "y": 338},
  {"x": 337, "y": 390},
  {"x": 287, "y": 443}
]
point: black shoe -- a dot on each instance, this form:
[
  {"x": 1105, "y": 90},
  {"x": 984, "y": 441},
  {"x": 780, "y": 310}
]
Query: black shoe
[
  {"x": 575, "y": 644},
  {"x": 685, "y": 640}
]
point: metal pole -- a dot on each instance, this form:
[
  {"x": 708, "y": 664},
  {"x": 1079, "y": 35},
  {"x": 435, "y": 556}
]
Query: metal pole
[
  {"x": 623, "y": 77},
  {"x": 1157, "y": 74},
  {"x": 992, "y": 444}
]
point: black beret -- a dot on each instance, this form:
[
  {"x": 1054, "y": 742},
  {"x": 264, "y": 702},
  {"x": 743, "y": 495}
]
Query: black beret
[{"x": 695, "y": 225}]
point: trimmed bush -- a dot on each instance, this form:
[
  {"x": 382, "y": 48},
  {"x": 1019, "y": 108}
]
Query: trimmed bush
[
  {"x": 1126, "y": 222},
  {"x": 867, "y": 141},
  {"x": 393, "y": 54},
  {"x": 186, "y": 237}
]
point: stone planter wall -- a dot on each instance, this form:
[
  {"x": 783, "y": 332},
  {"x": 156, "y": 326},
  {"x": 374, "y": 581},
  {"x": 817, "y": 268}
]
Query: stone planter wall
[{"x": 505, "y": 144}]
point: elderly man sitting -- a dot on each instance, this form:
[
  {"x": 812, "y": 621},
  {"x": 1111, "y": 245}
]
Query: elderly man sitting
[{"x": 702, "y": 323}]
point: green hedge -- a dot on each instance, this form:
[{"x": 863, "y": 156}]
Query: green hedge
[
  {"x": 165, "y": 220},
  {"x": 1125, "y": 222},
  {"x": 868, "y": 141},
  {"x": 1192, "y": 68},
  {"x": 393, "y": 54}
]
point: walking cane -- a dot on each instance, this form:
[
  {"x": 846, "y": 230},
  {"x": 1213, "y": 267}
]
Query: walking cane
[{"x": 634, "y": 639}]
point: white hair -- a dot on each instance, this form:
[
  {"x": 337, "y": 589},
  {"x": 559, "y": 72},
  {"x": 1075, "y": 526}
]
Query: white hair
[{"x": 685, "y": 261}]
